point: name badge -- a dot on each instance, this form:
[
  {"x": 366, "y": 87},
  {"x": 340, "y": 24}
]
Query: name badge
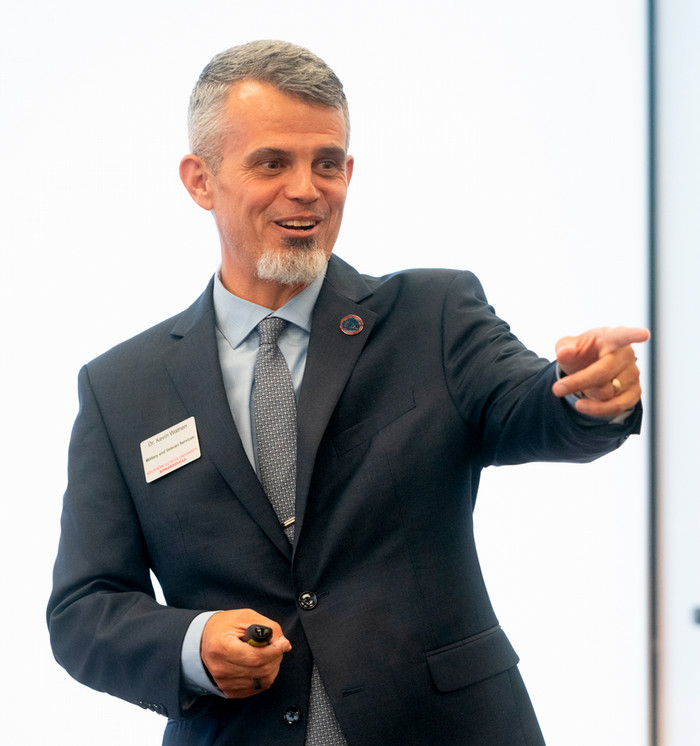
[{"x": 169, "y": 450}]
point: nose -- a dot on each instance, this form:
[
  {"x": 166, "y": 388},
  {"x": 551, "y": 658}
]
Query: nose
[{"x": 300, "y": 185}]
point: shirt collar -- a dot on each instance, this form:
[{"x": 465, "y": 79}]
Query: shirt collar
[{"x": 236, "y": 318}]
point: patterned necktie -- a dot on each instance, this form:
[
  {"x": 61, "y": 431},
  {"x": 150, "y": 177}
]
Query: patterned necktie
[
  {"x": 276, "y": 436},
  {"x": 276, "y": 424}
]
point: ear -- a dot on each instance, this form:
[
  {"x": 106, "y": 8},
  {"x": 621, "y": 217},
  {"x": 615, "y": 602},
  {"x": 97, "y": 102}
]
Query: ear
[
  {"x": 349, "y": 165},
  {"x": 197, "y": 179}
]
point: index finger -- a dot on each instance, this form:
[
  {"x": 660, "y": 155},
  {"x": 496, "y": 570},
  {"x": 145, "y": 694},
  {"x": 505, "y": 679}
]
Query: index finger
[{"x": 621, "y": 336}]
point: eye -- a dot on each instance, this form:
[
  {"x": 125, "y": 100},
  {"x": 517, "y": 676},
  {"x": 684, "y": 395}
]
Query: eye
[
  {"x": 272, "y": 165},
  {"x": 328, "y": 164}
]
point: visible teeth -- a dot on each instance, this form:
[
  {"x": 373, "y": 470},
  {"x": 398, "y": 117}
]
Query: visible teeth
[{"x": 298, "y": 223}]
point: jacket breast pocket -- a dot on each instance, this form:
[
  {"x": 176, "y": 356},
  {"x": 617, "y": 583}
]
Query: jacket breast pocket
[
  {"x": 471, "y": 660},
  {"x": 402, "y": 402}
]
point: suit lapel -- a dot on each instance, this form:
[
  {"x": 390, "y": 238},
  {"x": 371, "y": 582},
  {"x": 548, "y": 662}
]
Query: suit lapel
[
  {"x": 193, "y": 365},
  {"x": 331, "y": 358}
]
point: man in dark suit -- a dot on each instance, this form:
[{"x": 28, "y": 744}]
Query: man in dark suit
[{"x": 406, "y": 386}]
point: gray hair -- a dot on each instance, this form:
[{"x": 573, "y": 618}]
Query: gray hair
[{"x": 290, "y": 68}]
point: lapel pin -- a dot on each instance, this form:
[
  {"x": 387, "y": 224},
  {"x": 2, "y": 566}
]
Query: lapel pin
[{"x": 351, "y": 324}]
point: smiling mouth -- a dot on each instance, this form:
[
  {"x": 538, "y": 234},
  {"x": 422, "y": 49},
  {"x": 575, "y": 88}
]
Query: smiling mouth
[{"x": 298, "y": 225}]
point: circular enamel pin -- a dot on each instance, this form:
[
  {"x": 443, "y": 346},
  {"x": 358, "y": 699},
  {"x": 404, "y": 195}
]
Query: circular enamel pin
[{"x": 351, "y": 324}]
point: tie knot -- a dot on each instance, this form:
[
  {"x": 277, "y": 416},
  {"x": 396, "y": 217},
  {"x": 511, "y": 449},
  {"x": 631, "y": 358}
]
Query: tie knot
[{"x": 269, "y": 329}]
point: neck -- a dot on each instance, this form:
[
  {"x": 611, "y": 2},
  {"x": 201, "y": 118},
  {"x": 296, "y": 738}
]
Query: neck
[{"x": 272, "y": 295}]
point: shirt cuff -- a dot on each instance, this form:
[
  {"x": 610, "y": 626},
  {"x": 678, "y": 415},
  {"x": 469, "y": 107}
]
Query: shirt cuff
[{"x": 195, "y": 679}]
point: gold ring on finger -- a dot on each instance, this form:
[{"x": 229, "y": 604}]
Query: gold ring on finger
[{"x": 617, "y": 386}]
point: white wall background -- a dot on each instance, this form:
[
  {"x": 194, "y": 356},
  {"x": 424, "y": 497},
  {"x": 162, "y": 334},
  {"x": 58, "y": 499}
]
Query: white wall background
[
  {"x": 678, "y": 261},
  {"x": 503, "y": 137}
]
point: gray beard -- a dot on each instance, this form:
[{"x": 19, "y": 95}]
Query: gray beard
[{"x": 299, "y": 263}]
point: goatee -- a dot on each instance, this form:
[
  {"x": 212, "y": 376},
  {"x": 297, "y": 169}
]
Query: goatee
[{"x": 299, "y": 262}]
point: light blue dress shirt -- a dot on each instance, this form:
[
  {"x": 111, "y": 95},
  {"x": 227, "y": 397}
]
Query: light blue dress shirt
[{"x": 238, "y": 340}]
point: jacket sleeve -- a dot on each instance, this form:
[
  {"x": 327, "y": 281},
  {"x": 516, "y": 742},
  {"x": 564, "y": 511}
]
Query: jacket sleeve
[
  {"x": 106, "y": 627},
  {"x": 503, "y": 390}
]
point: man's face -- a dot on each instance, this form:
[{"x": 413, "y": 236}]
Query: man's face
[{"x": 282, "y": 182}]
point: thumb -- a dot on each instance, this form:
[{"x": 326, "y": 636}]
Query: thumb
[
  {"x": 569, "y": 354},
  {"x": 283, "y": 644}
]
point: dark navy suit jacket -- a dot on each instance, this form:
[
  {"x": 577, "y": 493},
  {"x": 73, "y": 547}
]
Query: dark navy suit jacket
[{"x": 395, "y": 424}]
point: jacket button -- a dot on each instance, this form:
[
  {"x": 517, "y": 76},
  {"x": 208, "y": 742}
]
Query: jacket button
[
  {"x": 292, "y": 715},
  {"x": 307, "y": 600}
]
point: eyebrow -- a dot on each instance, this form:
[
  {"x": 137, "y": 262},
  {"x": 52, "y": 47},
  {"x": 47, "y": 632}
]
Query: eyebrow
[
  {"x": 332, "y": 152},
  {"x": 273, "y": 153},
  {"x": 266, "y": 153}
]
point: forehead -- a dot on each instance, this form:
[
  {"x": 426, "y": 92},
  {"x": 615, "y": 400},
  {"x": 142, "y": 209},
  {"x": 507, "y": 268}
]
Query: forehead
[{"x": 257, "y": 112}]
